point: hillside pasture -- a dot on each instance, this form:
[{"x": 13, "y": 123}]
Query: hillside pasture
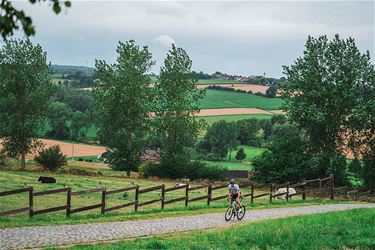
[{"x": 216, "y": 99}]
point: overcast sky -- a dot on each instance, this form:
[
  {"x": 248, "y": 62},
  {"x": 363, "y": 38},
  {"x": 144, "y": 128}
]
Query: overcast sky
[{"x": 246, "y": 38}]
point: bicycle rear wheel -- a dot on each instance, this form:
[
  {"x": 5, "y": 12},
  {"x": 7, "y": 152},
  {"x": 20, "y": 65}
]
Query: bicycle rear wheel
[
  {"x": 229, "y": 213},
  {"x": 241, "y": 212}
]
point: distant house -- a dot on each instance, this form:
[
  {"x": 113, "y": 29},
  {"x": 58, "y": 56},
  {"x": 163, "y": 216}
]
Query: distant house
[{"x": 147, "y": 156}]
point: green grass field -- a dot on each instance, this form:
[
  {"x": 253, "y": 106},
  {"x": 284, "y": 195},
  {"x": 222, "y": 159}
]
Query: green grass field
[
  {"x": 352, "y": 229},
  {"x": 226, "y": 99},
  {"x": 233, "y": 164},
  {"x": 233, "y": 118}
]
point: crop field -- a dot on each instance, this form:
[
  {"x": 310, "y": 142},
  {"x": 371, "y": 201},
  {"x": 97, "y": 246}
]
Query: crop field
[
  {"x": 215, "y": 99},
  {"x": 233, "y": 164}
]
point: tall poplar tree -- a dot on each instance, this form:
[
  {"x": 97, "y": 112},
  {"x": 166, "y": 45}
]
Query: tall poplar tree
[
  {"x": 123, "y": 102},
  {"x": 176, "y": 104},
  {"x": 25, "y": 89}
]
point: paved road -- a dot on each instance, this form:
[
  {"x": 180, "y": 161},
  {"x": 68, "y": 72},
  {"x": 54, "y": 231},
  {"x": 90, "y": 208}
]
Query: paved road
[{"x": 41, "y": 236}]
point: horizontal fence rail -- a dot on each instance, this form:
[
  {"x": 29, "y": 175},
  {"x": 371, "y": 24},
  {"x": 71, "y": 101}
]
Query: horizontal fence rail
[{"x": 322, "y": 187}]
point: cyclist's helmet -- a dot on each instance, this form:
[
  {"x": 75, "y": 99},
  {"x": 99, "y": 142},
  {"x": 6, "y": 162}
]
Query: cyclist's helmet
[{"x": 232, "y": 181}]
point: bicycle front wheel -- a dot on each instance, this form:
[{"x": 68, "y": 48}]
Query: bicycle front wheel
[
  {"x": 241, "y": 212},
  {"x": 229, "y": 213}
]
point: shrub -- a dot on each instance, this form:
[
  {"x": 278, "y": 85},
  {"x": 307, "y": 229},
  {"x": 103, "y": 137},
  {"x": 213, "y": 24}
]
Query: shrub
[
  {"x": 240, "y": 154},
  {"x": 180, "y": 166},
  {"x": 338, "y": 168},
  {"x": 368, "y": 171},
  {"x": 2, "y": 157},
  {"x": 278, "y": 119},
  {"x": 51, "y": 158},
  {"x": 355, "y": 167}
]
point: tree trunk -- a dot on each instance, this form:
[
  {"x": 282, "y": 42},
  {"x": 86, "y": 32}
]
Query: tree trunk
[
  {"x": 128, "y": 173},
  {"x": 23, "y": 161},
  {"x": 230, "y": 154}
]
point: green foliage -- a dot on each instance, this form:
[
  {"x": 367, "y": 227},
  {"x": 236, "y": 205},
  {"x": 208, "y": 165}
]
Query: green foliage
[
  {"x": 271, "y": 91},
  {"x": 180, "y": 166},
  {"x": 266, "y": 126},
  {"x": 327, "y": 92},
  {"x": 240, "y": 154},
  {"x": 248, "y": 131},
  {"x": 176, "y": 103},
  {"x": 368, "y": 172},
  {"x": 123, "y": 104},
  {"x": 220, "y": 139},
  {"x": 11, "y": 17},
  {"x": 51, "y": 158},
  {"x": 59, "y": 114},
  {"x": 355, "y": 167},
  {"x": 2, "y": 157},
  {"x": 25, "y": 88},
  {"x": 278, "y": 119}
]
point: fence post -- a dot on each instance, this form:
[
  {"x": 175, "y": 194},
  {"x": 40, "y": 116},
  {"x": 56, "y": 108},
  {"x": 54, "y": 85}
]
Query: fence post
[
  {"x": 31, "y": 202},
  {"x": 271, "y": 192},
  {"x": 252, "y": 194},
  {"x": 320, "y": 188},
  {"x": 287, "y": 191},
  {"x": 186, "y": 194},
  {"x": 68, "y": 202},
  {"x": 104, "y": 191},
  {"x": 332, "y": 196},
  {"x": 209, "y": 195},
  {"x": 304, "y": 190},
  {"x": 162, "y": 196},
  {"x": 136, "y": 199}
]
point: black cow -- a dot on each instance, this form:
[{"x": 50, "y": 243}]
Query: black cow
[{"x": 45, "y": 179}]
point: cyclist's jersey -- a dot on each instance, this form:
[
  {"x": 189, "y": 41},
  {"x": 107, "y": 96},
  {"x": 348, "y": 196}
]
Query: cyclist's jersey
[{"x": 234, "y": 189}]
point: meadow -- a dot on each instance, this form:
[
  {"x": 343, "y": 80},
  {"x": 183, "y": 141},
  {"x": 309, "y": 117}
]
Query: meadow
[
  {"x": 233, "y": 164},
  {"x": 228, "y": 99},
  {"x": 353, "y": 229}
]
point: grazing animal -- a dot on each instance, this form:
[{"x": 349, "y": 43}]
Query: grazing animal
[
  {"x": 284, "y": 190},
  {"x": 45, "y": 179}
]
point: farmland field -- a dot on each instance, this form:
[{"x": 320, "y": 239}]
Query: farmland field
[
  {"x": 227, "y": 99},
  {"x": 241, "y": 86}
]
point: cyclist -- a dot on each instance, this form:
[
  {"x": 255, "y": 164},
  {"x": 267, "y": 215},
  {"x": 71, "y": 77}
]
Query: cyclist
[{"x": 234, "y": 192}]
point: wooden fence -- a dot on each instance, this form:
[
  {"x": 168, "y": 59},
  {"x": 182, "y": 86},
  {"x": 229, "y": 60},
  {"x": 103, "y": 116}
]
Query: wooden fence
[{"x": 321, "y": 188}]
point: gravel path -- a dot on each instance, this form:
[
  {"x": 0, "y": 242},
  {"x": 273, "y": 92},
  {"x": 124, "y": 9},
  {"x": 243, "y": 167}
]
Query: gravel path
[{"x": 41, "y": 236}]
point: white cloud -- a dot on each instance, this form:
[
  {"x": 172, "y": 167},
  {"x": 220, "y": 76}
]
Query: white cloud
[{"x": 165, "y": 40}]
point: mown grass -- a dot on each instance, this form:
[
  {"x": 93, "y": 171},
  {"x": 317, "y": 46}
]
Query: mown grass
[
  {"x": 245, "y": 164},
  {"x": 353, "y": 229},
  {"x": 233, "y": 118},
  {"x": 226, "y": 99}
]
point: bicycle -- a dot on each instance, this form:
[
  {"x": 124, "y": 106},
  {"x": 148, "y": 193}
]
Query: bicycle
[{"x": 234, "y": 210}]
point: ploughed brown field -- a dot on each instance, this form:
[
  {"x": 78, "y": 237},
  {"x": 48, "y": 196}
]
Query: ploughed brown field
[{"x": 72, "y": 150}]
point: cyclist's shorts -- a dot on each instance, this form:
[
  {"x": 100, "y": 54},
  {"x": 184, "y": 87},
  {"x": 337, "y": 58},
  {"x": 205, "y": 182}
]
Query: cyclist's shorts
[{"x": 234, "y": 196}]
